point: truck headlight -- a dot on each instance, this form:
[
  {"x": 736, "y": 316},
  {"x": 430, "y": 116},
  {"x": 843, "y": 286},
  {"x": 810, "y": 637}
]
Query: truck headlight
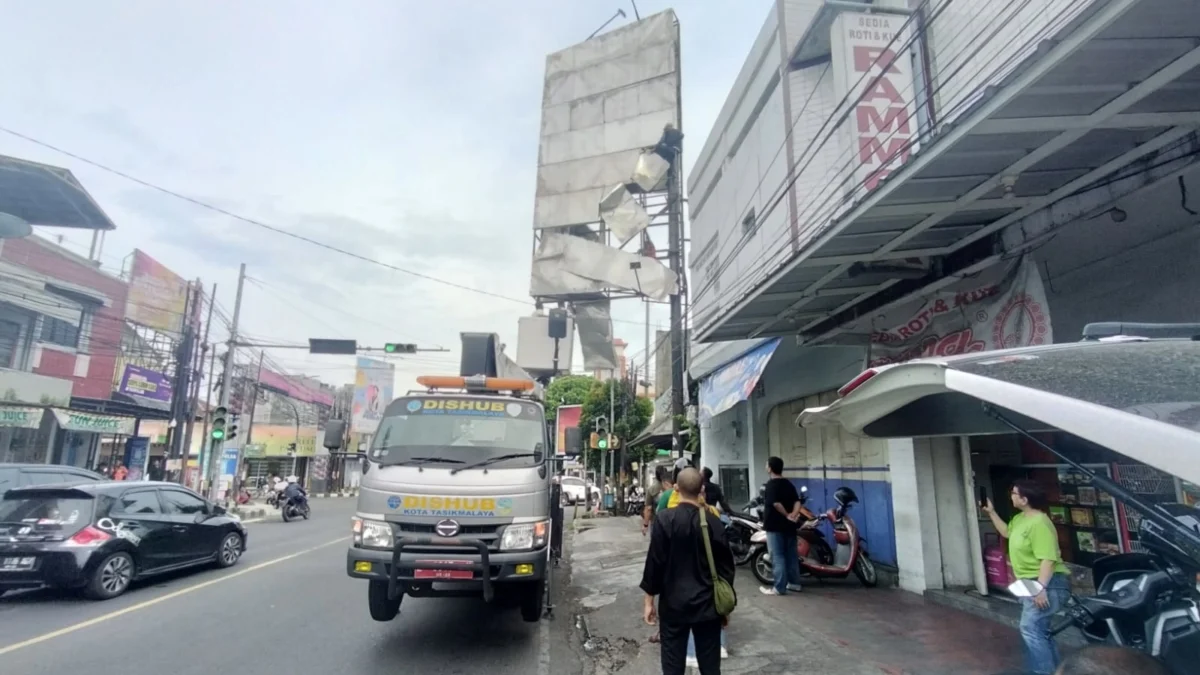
[
  {"x": 525, "y": 536},
  {"x": 372, "y": 533}
]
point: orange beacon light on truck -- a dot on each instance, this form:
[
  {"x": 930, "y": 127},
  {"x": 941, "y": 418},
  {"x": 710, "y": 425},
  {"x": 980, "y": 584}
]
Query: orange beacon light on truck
[{"x": 488, "y": 383}]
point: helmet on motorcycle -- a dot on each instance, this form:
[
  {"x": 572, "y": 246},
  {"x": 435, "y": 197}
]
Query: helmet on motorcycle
[{"x": 845, "y": 496}]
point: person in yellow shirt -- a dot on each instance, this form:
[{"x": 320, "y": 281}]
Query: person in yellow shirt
[{"x": 1034, "y": 553}]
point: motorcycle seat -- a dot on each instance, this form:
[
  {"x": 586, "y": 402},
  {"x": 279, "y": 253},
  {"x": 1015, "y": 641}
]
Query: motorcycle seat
[{"x": 744, "y": 515}]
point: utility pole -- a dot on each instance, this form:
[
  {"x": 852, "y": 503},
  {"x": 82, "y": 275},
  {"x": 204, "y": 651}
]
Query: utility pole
[
  {"x": 205, "y": 445},
  {"x": 673, "y": 140},
  {"x": 180, "y": 387},
  {"x": 197, "y": 366},
  {"x": 227, "y": 376}
]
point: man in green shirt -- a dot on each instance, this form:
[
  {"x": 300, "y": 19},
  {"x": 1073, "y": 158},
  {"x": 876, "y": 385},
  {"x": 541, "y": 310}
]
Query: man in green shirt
[{"x": 1034, "y": 553}]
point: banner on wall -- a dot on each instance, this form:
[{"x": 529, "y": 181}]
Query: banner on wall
[
  {"x": 72, "y": 420},
  {"x": 733, "y": 382},
  {"x": 148, "y": 388},
  {"x": 1001, "y": 308},
  {"x": 373, "y": 384},
  {"x": 157, "y": 296}
]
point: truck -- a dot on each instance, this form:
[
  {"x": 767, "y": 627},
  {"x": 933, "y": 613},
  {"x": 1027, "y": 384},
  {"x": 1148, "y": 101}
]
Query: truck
[{"x": 455, "y": 496}]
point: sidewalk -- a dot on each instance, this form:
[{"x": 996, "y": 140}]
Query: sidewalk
[{"x": 834, "y": 628}]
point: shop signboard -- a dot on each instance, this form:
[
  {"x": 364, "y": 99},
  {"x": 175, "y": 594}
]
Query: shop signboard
[
  {"x": 272, "y": 440},
  {"x": 147, "y": 386},
  {"x": 252, "y": 450},
  {"x": 73, "y": 420},
  {"x": 1004, "y": 307},
  {"x": 12, "y": 417}
]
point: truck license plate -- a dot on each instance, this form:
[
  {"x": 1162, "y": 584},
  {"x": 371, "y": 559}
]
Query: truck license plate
[
  {"x": 456, "y": 575},
  {"x": 17, "y": 564}
]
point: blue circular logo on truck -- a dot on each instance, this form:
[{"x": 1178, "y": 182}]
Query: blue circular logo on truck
[
  {"x": 394, "y": 502},
  {"x": 414, "y": 406}
]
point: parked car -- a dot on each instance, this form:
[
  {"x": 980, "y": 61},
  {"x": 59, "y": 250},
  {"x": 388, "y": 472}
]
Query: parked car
[
  {"x": 24, "y": 475},
  {"x": 99, "y": 537},
  {"x": 575, "y": 489}
]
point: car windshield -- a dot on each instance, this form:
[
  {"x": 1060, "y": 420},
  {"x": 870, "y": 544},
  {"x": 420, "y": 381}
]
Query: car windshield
[
  {"x": 454, "y": 435},
  {"x": 573, "y": 481},
  {"x": 1159, "y": 380},
  {"x": 44, "y": 512}
]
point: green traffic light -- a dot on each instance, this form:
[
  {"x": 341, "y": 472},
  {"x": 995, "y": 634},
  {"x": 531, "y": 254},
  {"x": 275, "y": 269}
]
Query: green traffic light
[
  {"x": 602, "y": 444},
  {"x": 389, "y": 348},
  {"x": 218, "y": 434}
]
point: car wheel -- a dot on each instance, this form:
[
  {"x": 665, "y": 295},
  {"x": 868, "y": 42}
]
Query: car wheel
[
  {"x": 230, "y": 550},
  {"x": 382, "y": 608},
  {"x": 111, "y": 577}
]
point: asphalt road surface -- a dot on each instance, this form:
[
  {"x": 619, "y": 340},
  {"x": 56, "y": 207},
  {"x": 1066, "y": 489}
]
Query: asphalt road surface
[{"x": 286, "y": 607}]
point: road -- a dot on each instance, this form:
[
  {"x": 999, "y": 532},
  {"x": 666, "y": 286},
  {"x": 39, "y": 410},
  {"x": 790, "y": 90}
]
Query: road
[{"x": 287, "y": 602}]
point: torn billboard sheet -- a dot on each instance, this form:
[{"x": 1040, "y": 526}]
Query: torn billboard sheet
[
  {"x": 650, "y": 174},
  {"x": 564, "y": 264},
  {"x": 624, "y": 216},
  {"x": 593, "y": 323},
  {"x": 604, "y": 101}
]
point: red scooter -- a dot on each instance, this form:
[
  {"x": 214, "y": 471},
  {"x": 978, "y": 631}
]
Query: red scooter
[{"x": 816, "y": 558}]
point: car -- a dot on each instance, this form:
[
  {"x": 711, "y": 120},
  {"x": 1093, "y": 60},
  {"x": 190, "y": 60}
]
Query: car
[
  {"x": 22, "y": 475},
  {"x": 575, "y": 489},
  {"x": 100, "y": 536},
  {"x": 1131, "y": 388}
]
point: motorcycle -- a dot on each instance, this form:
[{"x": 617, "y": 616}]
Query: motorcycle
[
  {"x": 817, "y": 558},
  {"x": 294, "y": 508}
]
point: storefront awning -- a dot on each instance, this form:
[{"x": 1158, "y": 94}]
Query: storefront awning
[
  {"x": 74, "y": 420},
  {"x": 20, "y": 417},
  {"x": 733, "y": 382},
  {"x": 1114, "y": 89}
]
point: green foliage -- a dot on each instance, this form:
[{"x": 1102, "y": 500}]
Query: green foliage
[{"x": 566, "y": 390}]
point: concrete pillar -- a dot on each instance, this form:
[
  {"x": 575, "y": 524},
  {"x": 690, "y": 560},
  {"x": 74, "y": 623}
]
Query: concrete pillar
[{"x": 914, "y": 507}]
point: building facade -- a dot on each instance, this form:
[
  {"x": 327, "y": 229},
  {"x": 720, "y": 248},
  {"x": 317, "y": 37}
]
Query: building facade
[{"x": 902, "y": 179}]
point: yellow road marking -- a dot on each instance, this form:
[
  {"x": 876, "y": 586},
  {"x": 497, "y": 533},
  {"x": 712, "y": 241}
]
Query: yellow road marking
[{"x": 142, "y": 605}]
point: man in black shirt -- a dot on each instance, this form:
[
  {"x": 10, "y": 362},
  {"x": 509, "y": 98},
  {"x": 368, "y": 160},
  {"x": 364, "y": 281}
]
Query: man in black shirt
[
  {"x": 677, "y": 573},
  {"x": 714, "y": 495},
  {"x": 780, "y": 519}
]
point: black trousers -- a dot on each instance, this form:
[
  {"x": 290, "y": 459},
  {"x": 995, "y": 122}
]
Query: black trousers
[{"x": 673, "y": 639}]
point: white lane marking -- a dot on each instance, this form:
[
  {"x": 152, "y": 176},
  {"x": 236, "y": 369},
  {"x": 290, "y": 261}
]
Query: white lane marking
[{"x": 162, "y": 598}]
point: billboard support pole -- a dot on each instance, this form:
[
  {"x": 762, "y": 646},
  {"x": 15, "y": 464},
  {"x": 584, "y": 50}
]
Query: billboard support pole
[
  {"x": 197, "y": 369},
  {"x": 227, "y": 376},
  {"x": 181, "y": 385}
]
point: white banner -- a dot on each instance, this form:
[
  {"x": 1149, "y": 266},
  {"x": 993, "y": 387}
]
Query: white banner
[{"x": 1004, "y": 307}]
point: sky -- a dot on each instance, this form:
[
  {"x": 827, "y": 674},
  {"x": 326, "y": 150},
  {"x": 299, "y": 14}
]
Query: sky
[{"x": 399, "y": 130}]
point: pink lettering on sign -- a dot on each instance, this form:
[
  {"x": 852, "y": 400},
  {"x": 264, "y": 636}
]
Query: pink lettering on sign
[{"x": 883, "y": 127}]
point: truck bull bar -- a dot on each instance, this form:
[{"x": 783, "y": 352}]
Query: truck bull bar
[{"x": 467, "y": 545}]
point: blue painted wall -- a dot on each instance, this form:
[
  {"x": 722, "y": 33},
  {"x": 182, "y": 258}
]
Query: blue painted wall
[{"x": 872, "y": 513}]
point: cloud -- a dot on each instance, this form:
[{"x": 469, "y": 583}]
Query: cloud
[{"x": 403, "y": 132}]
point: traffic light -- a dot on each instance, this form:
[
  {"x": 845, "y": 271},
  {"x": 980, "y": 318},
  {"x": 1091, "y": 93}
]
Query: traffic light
[
  {"x": 218, "y": 424},
  {"x": 614, "y": 442},
  {"x": 400, "y": 348},
  {"x": 602, "y": 444},
  {"x": 231, "y": 428}
]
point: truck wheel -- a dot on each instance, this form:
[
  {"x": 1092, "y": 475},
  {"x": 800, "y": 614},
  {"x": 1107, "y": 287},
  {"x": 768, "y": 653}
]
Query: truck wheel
[
  {"x": 382, "y": 608},
  {"x": 533, "y": 601}
]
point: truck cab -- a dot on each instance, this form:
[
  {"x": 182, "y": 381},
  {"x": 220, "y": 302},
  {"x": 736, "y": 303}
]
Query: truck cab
[{"x": 455, "y": 497}]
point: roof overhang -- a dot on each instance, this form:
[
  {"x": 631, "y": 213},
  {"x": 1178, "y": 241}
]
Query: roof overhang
[
  {"x": 923, "y": 399},
  {"x": 1113, "y": 89}
]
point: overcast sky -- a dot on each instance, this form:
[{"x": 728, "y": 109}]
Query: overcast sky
[{"x": 402, "y": 130}]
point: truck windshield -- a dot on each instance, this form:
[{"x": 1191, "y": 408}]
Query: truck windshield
[{"x": 455, "y": 439}]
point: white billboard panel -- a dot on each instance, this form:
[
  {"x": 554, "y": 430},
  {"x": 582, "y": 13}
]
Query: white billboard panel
[{"x": 604, "y": 101}]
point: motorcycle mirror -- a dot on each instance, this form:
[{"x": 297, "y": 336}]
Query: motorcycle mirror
[{"x": 1025, "y": 588}]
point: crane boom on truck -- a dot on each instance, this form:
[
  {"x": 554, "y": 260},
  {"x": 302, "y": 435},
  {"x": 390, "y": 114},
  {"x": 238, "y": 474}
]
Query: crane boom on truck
[{"x": 455, "y": 497}]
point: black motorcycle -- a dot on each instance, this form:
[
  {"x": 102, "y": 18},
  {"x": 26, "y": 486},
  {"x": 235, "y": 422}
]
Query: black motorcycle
[{"x": 294, "y": 508}]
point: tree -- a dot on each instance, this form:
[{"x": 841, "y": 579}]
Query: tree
[
  {"x": 566, "y": 390},
  {"x": 633, "y": 413}
]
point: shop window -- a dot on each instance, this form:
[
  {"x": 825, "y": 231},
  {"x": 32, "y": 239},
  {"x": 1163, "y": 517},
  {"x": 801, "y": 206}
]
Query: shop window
[
  {"x": 59, "y": 332},
  {"x": 735, "y": 482}
]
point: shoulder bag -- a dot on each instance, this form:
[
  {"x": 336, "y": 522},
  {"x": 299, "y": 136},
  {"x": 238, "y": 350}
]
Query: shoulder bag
[{"x": 724, "y": 597}]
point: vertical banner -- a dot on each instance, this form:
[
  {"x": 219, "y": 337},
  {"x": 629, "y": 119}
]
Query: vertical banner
[
  {"x": 373, "y": 385},
  {"x": 137, "y": 455},
  {"x": 874, "y": 72}
]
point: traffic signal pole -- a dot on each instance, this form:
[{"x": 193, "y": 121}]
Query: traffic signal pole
[{"x": 216, "y": 446}]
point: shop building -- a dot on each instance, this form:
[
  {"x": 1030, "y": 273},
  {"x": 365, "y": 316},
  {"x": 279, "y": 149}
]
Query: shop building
[{"x": 884, "y": 184}]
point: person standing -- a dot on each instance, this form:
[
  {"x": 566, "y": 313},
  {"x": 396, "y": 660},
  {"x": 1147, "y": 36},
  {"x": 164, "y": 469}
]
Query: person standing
[
  {"x": 781, "y": 517},
  {"x": 1035, "y": 555},
  {"x": 713, "y": 494},
  {"x": 677, "y": 574},
  {"x": 652, "y": 494},
  {"x": 120, "y": 473}
]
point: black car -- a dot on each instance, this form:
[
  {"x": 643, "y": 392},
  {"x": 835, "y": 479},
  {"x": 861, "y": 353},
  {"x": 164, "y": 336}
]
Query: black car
[
  {"x": 23, "y": 475},
  {"x": 101, "y": 536}
]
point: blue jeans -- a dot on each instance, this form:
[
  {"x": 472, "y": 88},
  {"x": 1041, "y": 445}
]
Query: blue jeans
[
  {"x": 1041, "y": 654},
  {"x": 692, "y": 644},
  {"x": 785, "y": 561}
]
